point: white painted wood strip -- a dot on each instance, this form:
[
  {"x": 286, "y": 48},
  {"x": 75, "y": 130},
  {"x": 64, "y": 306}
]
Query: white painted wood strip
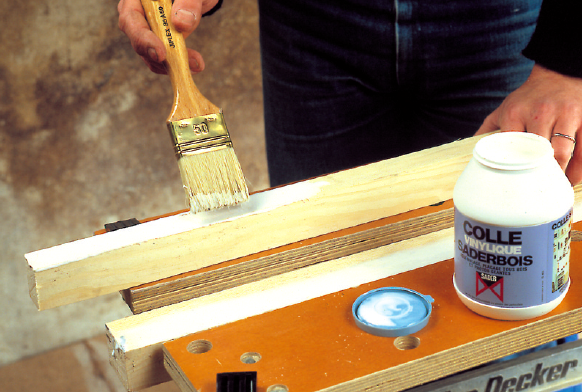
[
  {"x": 259, "y": 203},
  {"x": 125, "y": 258}
]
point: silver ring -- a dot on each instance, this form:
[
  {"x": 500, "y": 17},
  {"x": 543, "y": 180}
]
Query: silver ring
[{"x": 566, "y": 136}]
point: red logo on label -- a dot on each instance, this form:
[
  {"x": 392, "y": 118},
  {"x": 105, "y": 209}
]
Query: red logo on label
[{"x": 489, "y": 282}]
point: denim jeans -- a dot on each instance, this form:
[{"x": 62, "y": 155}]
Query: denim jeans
[{"x": 350, "y": 82}]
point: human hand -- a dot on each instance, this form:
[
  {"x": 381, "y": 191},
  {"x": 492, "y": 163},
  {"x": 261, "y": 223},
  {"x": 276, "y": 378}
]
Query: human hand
[
  {"x": 185, "y": 16},
  {"x": 548, "y": 104}
]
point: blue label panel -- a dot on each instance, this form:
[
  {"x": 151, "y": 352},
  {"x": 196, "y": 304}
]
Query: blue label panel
[{"x": 512, "y": 267}]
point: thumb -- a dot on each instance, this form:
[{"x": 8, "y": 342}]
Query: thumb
[{"x": 186, "y": 15}]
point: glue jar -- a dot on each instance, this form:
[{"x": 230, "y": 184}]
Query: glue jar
[{"x": 513, "y": 215}]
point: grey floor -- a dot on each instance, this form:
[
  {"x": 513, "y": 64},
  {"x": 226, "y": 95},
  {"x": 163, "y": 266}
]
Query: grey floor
[{"x": 83, "y": 142}]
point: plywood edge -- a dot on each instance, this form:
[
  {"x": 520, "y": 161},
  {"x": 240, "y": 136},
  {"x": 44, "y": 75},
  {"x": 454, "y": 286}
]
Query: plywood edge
[
  {"x": 319, "y": 250},
  {"x": 176, "y": 373}
]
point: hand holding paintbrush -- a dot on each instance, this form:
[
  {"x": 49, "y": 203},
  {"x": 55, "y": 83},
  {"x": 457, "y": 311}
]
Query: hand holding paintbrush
[
  {"x": 210, "y": 170},
  {"x": 186, "y": 15}
]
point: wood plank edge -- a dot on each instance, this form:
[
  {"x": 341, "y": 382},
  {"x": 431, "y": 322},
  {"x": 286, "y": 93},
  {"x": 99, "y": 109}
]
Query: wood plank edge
[
  {"x": 137, "y": 369},
  {"x": 176, "y": 373},
  {"x": 32, "y": 291}
]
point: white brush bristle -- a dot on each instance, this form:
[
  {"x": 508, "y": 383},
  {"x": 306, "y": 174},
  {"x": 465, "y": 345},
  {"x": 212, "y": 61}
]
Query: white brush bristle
[{"x": 213, "y": 179}]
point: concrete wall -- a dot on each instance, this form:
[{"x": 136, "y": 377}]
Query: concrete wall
[{"x": 83, "y": 142}]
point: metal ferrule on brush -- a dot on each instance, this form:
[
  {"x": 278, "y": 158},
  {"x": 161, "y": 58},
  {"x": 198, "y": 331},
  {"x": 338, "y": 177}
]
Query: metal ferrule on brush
[{"x": 199, "y": 134}]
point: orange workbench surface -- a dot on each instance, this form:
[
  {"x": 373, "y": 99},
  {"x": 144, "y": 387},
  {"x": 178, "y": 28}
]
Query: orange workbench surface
[{"x": 316, "y": 345}]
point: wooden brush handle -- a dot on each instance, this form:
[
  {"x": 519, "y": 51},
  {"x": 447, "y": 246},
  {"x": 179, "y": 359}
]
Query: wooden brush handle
[{"x": 188, "y": 101}]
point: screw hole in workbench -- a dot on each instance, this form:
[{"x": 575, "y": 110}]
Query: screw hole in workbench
[
  {"x": 406, "y": 342},
  {"x": 199, "y": 346},
  {"x": 278, "y": 388},
  {"x": 250, "y": 358}
]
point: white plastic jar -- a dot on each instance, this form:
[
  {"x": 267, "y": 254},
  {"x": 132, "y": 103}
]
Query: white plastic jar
[{"x": 513, "y": 215}]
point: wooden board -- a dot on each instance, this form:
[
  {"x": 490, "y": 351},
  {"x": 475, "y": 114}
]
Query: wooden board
[
  {"x": 316, "y": 346},
  {"x": 169, "y": 246}
]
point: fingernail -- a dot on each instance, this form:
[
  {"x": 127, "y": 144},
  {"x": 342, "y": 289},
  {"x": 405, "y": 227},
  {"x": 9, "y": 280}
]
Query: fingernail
[
  {"x": 194, "y": 65},
  {"x": 185, "y": 17},
  {"x": 153, "y": 54}
]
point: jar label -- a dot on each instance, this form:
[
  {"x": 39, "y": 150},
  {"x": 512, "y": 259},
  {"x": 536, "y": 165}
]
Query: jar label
[{"x": 512, "y": 267}]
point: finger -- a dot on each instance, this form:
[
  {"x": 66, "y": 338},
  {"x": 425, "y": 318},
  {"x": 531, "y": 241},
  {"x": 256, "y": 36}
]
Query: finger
[
  {"x": 574, "y": 169},
  {"x": 563, "y": 149},
  {"x": 186, "y": 15},
  {"x": 507, "y": 117},
  {"x": 133, "y": 23},
  {"x": 159, "y": 68},
  {"x": 195, "y": 61},
  {"x": 490, "y": 123},
  {"x": 542, "y": 120},
  {"x": 207, "y": 5},
  {"x": 512, "y": 120},
  {"x": 563, "y": 142}
]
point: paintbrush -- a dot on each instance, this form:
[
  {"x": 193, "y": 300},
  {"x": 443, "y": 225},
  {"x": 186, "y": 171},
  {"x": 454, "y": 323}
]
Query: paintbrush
[{"x": 210, "y": 171}]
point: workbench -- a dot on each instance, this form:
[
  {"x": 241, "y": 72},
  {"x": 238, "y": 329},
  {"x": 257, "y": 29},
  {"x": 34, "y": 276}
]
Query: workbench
[
  {"x": 316, "y": 346},
  {"x": 267, "y": 287}
]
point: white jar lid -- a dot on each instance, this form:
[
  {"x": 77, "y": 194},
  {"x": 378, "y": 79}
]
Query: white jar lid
[
  {"x": 513, "y": 150},
  {"x": 392, "y": 311}
]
